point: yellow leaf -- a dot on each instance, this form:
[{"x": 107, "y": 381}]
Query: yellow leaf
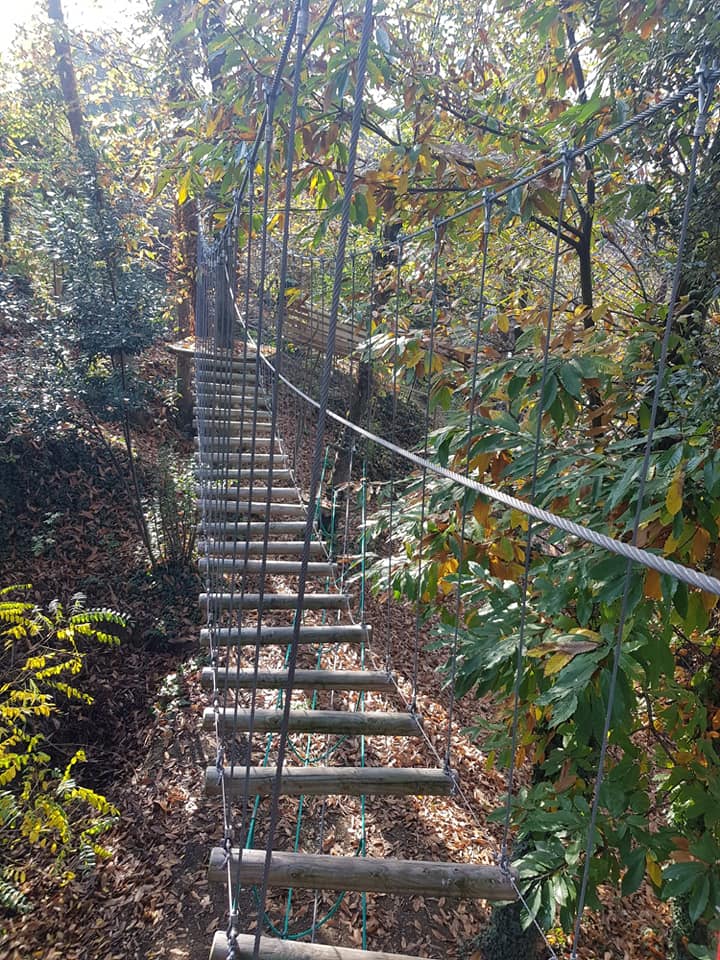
[
  {"x": 583, "y": 632},
  {"x": 446, "y": 569},
  {"x": 671, "y": 545},
  {"x": 709, "y": 600},
  {"x": 674, "y": 498},
  {"x": 184, "y": 188},
  {"x": 402, "y": 186},
  {"x": 653, "y": 871},
  {"x": 700, "y": 543},
  {"x": 503, "y": 322},
  {"x": 556, "y": 662},
  {"x": 480, "y": 463},
  {"x": 541, "y": 76},
  {"x": 518, "y": 519},
  {"x": 481, "y": 511},
  {"x": 652, "y": 585}
]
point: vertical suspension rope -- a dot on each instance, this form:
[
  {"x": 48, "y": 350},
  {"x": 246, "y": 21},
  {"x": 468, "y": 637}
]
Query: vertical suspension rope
[
  {"x": 520, "y": 655},
  {"x": 471, "y": 424},
  {"x": 431, "y": 357},
  {"x": 267, "y": 132},
  {"x": 393, "y": 438},
  {"x": 318, "y": 447}
]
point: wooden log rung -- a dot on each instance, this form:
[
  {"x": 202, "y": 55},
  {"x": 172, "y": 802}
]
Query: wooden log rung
[
  {"x": 271, "y": 949},
  {"x": 258, "y": 508},
  {"x": 245, "y": 529},
  {"x": 317, "y": 781},
  {"x": 404, "y": 878},
  {"x": 234, "y": 444},
  {"x": 239, "y": 566},
  {"x": 259, "y": 477},
  {"x": 238, "y": 549},
  {"x": 275, "y": 601},
  {"x": 242, "y": 493},
  {"x": 281, "y": 636},
  {"x": 371, "y": 723},
  {"x": 220, "y": 458},
  {"x": 304, "y": 679}
]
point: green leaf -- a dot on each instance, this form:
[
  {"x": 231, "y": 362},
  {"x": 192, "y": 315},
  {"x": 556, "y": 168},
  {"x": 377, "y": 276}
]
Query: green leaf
[
  {"x": 514, "y": 201},
  {"x": 699, "y": 898},
  {"x": 680, "y": 878},
  {"x": 635, "y": 862},
  {"x": 570, "y": 379}
]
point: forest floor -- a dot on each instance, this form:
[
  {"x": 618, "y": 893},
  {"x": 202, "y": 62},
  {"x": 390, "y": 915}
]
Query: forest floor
[{"x": 65, "y": 529}]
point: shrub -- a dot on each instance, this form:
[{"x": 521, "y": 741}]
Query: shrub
[{"x": 42, "y": 805}]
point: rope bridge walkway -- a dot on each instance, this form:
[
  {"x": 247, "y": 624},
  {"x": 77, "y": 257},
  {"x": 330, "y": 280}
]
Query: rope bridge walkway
[{"x": 299, "y": 688}]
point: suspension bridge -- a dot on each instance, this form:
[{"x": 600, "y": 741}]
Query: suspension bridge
[{"x": 300, "y": 688}]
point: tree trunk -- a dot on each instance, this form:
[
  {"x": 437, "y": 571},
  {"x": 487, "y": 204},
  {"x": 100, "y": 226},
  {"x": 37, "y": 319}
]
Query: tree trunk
[
  {"x": 184, "y": 255},
  {"x": 66, "y": 73},
  {"x": 7, "y": 215},
  {"x": 359, "y": 406},
  {"x": 88, "y": 158}
]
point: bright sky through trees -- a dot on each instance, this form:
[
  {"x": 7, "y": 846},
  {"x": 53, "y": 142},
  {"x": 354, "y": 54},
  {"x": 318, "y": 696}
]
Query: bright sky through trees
[{"x": 80, "y": 15}]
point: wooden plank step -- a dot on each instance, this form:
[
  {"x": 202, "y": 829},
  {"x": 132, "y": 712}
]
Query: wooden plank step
[
  {"x": 224, "y": 459},
  {"x": 215, "y": 379},
  {"x": 275, "y": 601},
  {"x": 208, "y": 371},
  {"x": 220, "y": 417},
  {"x": 255, "y": 528},
  {"x": 281, "y": 636},
  {"x": 238, "y": 549},
  {"x": 214, "y": 395},
  {"x": 331, "y": 781},
  {"x": 216, "y": 442},
  {"x": 219, "y": 427},
  {"x": 219, "y": 386},
  {"x": 259, "y": 413},
  {"x": 257, "y": 507},
  {"x": 259, "y": 477},
  {"x": 404, "y": 878},
  {"x": 242, "y": 416},
  {"x": 303, "y": 680},
  {"x": 221, "y": 364},
  {"x": 220, "y": 369},
  {"x": 271, "y": 949},
  {"x": 371, "y": 723},
  {"x": 232, "y": 394},
  {"x": 228, "y": 415},
  {"x": 205, "y": 356},
  {"x": 240, "y": 565},
  {"x": 242, "y": 493}
]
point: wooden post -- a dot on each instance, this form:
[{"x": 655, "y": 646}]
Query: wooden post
[{"x": 184, "y": 386}]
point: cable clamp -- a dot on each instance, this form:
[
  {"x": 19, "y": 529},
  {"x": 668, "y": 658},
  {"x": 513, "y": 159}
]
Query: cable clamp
[
  {"x": 227, "y": 850},
  {"x": 303, "y": 23},
  {"x": 706, "y": 87},
  {"x": 567, "y": 168},
  {"x": 270, "y": 98},
  {"x": 488, "y": 200},
  {"x": 503, "y": 861}
]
